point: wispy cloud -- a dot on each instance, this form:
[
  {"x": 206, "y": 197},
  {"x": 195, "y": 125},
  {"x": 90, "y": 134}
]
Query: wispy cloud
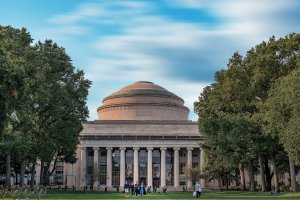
[
  {"x": 135, "y": 40},
  {"x": 103, "y": 12},
  {"x": 85, "y": 11}
]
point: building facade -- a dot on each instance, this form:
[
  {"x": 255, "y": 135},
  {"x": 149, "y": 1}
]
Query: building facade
[{"x": 143, "y": 135}]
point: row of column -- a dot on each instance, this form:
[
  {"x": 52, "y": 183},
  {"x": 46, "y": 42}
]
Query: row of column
[{"x": 136, "y": 166}]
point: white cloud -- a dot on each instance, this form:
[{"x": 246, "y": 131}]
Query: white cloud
[
  {"x": 84, "y": 11},
  {"x": 118, "y": 69},
  {"x": 189, "y": 91},
  {"x": 107, "y": 12},
  {"x": 61, "y": 34},
  {"x": 150, "y": 46},
  {"x": 258, "y": 19}
]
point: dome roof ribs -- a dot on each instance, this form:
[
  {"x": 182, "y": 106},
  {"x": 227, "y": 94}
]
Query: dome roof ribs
[{"x": 143, "y": 100}]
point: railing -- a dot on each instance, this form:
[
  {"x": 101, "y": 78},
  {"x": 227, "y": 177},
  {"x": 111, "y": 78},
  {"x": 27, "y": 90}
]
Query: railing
[{"x": 25, "y": 192}]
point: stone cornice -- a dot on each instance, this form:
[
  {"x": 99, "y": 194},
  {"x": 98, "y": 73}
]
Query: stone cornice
[
  {"x": 136, "y": 137},
  {"x": 129, "y": 106},
  {"x": 144, "y": 92},
  {"x": 158, "y": 122},
  {"x": 142, "y": 144}
]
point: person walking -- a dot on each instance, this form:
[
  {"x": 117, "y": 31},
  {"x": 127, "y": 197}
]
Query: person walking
[
  {"x": 126, "y": 188},
  {"x": 142, "y": 189},
  {"x": 132, "y": 188},
  {"x": 136, "y": 189},
  {"x": 198, "y": 190}
]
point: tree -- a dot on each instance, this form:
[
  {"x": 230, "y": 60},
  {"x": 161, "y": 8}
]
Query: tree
[
  {"x": 43, "y": 101},
  {"x": 267, "y": 62},
  {"x": 56, "y": 105},
  {"x": 282, "y": 112},
  {"x": 225, "y": 120},
  {"x": 230, "y": 107},
  {"x": 282, "y": 115},
  {"x": 13, "y": 45},
  {"x": 192, "y": 174}
]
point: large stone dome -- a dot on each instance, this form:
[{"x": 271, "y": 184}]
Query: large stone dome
[{"x": 143, "y": 101}]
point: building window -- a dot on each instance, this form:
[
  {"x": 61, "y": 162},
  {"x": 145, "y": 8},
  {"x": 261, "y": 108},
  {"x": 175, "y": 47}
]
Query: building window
[
  {"x": 116, "y": 168},
  {"x": 182, "y": 153},
  {"x": 195, "y": 165},
  {"x": 156, "y": 167},
  {"x": 103, "y": 153},
  {"x": 90, "y": 152},
  {"x": 102, "y": 176},
  {"x": 59, "y": 174},
  {"x": 169, "y": 167},
  {"x": 143, "y": 165},
  {"x": 196, "y": 154},
  {"x": 182, "y": 183},
  {"x": 129, "y": 165},
  {"x": 181, "y": 167}
]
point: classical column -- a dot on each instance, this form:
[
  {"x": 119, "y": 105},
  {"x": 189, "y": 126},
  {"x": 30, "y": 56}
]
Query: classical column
[
  {"x": 83, "y": 166},
  {"x": 163, "y": 167},
  {"x": 96, "y": 166},
  {"x": 189, "y": 164},
  {"x": 136, "y": 165},
  {"x": 176, "y": 167},
  {"x": 122, "y": 166},
  {"x": 109, "y": 167},
  {"x": 149, "y": 167},
  {"x": 202, "y": 180}
]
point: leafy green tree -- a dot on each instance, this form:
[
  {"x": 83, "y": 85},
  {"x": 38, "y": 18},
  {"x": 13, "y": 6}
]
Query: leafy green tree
[
  {"x": 282, "y": 115},
  {"x": 192, "y": 174},
  {"x": 225, "y": 119},
  {"x": 236, "y": 97},
  {"x": 56, "y": 105},
  {"x": 13, "y": 45},
  {"x": 43, "y": 101},
  {"x": 266, "y": 63}
]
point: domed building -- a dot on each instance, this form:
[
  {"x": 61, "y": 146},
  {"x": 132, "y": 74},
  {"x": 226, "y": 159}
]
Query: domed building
[
  {"x": 142, "y": 135},
  {"x": 143, "y": 101}
]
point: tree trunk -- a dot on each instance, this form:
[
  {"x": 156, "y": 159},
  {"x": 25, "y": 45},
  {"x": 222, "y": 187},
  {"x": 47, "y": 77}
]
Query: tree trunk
[
  {"x": 47, "y": 174},
  {"x": 276, "y": 181},
  {"x": 42, "y": 174},
  {"x": 251, "y": 171},
  {"x": 262, "y": 173},
  {"x": 242, "y": 174},
  {"x": 8, "y": 171},
  {"x": 293, "y": 174},
  {"x": 22, "y": 172},
  {"x": 268, "y": 175},
  {"x": 32, "y": 179},
  {"x": 227, "y": 184},
  {"x": 16, "y": 179}
]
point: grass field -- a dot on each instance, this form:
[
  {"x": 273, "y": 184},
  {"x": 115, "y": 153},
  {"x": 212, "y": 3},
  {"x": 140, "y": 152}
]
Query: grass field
[{"x": 66, "y": 195}]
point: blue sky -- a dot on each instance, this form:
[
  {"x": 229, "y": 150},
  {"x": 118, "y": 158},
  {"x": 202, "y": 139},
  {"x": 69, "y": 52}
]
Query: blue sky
[{"x": 177, "y": 44}]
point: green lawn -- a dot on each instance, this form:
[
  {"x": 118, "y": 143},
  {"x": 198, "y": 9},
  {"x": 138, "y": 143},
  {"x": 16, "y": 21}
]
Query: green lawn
[{"x": 64, "y": 195}]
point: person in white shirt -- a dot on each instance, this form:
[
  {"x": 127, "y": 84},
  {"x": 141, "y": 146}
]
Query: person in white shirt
[{"x": 198, "y": 190}]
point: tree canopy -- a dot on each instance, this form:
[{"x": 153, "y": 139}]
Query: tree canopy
[
  {"x": 42, "y": 100},
  {"x": 282, "y": 112},
  {"x": 230, "y": 111}
]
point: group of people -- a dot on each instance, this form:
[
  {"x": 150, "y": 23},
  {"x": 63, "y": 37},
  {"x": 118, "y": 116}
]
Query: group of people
[{"x": 137, "y": 189}]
